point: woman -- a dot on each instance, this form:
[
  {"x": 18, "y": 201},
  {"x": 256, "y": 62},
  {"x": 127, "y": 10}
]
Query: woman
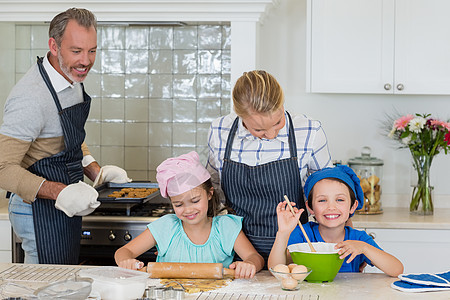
[{"x": 262, "y": 153}]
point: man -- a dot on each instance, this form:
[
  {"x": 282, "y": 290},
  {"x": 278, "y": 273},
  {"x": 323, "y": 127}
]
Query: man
[{"x": 42, "y": 152}]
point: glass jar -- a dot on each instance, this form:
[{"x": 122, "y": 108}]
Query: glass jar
[{"x": 370, "y": 172}]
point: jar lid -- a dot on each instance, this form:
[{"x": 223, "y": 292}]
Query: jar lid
[{"x": 365, "y": 159}]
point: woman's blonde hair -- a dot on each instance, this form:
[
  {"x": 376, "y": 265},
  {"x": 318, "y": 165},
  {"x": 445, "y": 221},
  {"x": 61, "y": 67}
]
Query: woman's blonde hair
[{"x": 257, "y": 92}]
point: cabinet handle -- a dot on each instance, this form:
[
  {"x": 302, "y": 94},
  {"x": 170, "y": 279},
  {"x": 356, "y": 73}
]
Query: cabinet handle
[
  {"x": 372, "y": 235},
  {"x": 387, "y": 86},
  {"x": 400, "y": 87}
]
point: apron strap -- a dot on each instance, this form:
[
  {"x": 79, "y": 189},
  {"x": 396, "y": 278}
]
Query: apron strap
[
  {"x": 48, "y": 83},
  {"x": 291, "y": 137},
  {"x": 229, "y": 145}
]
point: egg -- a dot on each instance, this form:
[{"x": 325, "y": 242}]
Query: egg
[
  {"x": 291, "y": 266},
  {"x": 299, "y": 269},
  {"x": 281, "y": 268},
  {"x": 289, "y": 283}
]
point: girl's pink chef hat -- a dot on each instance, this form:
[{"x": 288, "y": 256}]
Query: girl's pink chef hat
[{"x": 180, "y": 174}]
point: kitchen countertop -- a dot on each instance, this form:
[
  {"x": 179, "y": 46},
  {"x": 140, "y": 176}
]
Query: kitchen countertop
[
  {"x": 400, "y": 218},
  {"x": 365, "y": 286},
  {"x": 345, "y": 286}
]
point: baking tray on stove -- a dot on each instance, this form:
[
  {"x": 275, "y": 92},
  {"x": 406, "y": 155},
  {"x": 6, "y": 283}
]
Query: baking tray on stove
[{"x": 108, "y": 188}]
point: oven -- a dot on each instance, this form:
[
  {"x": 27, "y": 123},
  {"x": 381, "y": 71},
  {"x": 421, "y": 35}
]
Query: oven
[{"x": 109, "y": 227}]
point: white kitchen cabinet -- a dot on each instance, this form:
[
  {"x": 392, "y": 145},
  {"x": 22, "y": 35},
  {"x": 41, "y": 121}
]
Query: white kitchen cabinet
[
  {"x": 378, "y": 46},
  {"x": 5, "y": 245},
  {"x": 420, "y": 250}
]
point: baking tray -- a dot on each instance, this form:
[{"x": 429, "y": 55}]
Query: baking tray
[{"x": 106, "y": 189}]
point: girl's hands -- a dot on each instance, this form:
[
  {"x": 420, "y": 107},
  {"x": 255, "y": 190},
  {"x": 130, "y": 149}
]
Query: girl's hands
[
  {"x": 131, "y": 263},
  {"x": 243, "y": 269},
  {"x": 286, "y": 221},
  {"x": 352, "y": 248}
]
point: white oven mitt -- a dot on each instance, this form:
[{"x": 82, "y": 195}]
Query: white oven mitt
[
  {"x": 111, "y": 174},
  {"x": 77, "y": 199}
]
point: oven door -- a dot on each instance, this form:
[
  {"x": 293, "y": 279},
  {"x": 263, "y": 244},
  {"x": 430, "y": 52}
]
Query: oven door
[{"x": 100, "y": 240}]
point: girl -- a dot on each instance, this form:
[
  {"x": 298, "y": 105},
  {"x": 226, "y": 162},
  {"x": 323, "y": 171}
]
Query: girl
[
  {"x": 333, "y": 195},
  {"x": 195, "y": 233}
]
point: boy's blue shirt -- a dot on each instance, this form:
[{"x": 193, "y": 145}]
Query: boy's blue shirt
[{"x": 312, "y": 230}]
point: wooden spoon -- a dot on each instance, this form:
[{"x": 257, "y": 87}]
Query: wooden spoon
[{"x": 300, "y": 225}]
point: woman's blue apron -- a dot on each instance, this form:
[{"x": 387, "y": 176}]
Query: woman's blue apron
[
  {"x": 253, "y": 192},
  {"x": 57, "y": 235}
]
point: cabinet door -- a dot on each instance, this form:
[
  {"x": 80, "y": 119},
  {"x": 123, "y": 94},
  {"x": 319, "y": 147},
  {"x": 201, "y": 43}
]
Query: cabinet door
[
  {"x": 420, "y": 251},
  {"x": 350, "y": 46},
  {"x": 422, "y": 46}
]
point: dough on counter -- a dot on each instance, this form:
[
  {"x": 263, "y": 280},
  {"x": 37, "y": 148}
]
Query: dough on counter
[{"x": 196, "y": 285}]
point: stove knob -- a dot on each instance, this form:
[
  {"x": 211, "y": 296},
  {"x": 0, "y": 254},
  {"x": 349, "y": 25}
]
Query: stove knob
[
  {"x": 127, "y": 237},
  {"x": 111, "y": 236}
]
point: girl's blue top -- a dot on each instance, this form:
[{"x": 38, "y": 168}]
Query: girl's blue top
[{"x": 174, "y": 245}]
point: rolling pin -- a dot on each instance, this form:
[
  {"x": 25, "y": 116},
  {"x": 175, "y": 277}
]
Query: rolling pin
[{"x": 187, "y": 270}]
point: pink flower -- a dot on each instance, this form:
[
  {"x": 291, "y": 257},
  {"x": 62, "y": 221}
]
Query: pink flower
[
  {"x": 446, "y": 125},
  {"x": 401, "y": 123},
  {"x": 447, "y": 138},
  {"x": 436, "y": 123}
]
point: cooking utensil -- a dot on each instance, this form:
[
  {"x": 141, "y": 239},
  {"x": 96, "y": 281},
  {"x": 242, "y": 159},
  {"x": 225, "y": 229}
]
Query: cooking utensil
[
  {"x": 114, "y": 283},
  {"x": 125, "y": 203},
  {"x": 300, "y": 225},
  {"x": 78, "y": 288},
  {"x": 108, "y": 188},
  {"x": 325, "y": 263},
  {"x": 290, "y": 281},
  {"x": 187, "y": 270}
]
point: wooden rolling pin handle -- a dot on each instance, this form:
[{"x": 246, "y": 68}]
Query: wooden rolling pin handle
[
  {"x": 185, "y": 270},
  {"x": 144, "y": 269},
  {"x": 228, "y": 272}
]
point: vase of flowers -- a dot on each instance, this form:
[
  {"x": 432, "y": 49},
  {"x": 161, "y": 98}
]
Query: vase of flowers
[
  {"x": 422, "y": 191},
  {"x": 425, "y": 137}
]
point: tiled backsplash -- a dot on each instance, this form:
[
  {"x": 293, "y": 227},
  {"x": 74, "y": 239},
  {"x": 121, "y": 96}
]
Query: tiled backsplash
[{"x": 155, "y": 90}]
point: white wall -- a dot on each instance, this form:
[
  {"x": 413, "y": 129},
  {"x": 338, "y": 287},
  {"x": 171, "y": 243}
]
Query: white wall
[{"x": 350, "y": 121}]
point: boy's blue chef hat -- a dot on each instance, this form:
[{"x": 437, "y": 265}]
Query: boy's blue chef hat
[{"x": 342, "y": 172}]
